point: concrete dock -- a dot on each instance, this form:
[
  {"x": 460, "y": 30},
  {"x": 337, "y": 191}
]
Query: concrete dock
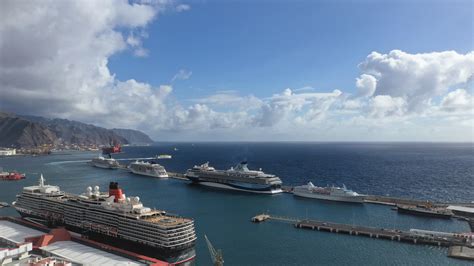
[
  {"x": 460, "y": 252},
  {"x": 382, "y": 233},
  {"x": 414, "y": 237},
  {"x": 178, "y": 176}
]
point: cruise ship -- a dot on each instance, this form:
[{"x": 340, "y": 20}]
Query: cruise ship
[
  {"x": 328, "y": 193},
  {"x": 102, "y": 162},
  {"x": 111, "y": 218},
  {"x": 148, "y": 169},
  {"x": 236, "y": 178}
]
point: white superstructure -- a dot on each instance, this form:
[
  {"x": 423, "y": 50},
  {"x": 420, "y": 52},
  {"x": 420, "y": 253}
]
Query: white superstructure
[
  {"x": 148, "y": 169},
  {"x": 239, "y": 178},
  {"x": 107, "y": 163},
  {"x": 163, "y": 156},
  {"x": 328, "y": 193}
]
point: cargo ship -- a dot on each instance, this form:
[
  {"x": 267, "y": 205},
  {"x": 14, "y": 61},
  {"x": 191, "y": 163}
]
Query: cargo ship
[
  {"x": 236, "y": 178},
  {"x": 11, "y": 176},
  {"x": 148, "y": 169},
  {"x": 328, "y": 193},
  {"x": 111, "y": 218},
  {"x": 424, "y": 211},
  {"x": 112, "y": 149}
]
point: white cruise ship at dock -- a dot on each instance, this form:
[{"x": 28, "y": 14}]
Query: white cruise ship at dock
[
  {"x": 328, "y": 193},
  {"x": 112, "y": 218},
  {"x": 236, "y": 178},
  {"x": 148, "y": 169},
  {"x": 106, "y": 163}
]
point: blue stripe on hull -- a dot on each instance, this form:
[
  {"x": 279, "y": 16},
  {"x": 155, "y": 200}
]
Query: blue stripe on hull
[{"x": 238, "y": 185}]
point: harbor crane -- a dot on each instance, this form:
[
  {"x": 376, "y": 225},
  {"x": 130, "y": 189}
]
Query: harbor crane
[{"x": 216, "y": 255}]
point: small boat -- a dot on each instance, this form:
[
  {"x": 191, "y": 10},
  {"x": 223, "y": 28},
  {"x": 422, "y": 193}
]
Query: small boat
[
  {"x": 11, "y": 176},
  {"x": 424, "y": 211},
  {"x": 163, "y": 156},
  {"x": 175, "y": 149}
]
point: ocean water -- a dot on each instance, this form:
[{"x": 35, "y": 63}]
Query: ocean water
[{"x": 413, "y": 170}]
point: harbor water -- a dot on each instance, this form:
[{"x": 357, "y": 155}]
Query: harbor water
[{"x": 440, "y": 172}]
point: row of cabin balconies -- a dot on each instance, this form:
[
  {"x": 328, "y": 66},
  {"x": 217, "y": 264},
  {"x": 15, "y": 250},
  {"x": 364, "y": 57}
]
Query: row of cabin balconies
[
  {"x": 155, "y": 224},
  {"x": 168, "y": 236},
  {"x": 156, "y": 242},
  {"x": 149, "y": 225}
]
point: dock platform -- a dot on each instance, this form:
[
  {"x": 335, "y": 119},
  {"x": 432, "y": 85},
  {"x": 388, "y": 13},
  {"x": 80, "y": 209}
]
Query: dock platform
[
  {"x": 414, "y": 237},
  {"x": 460, "y": 252},
  {"x": 178, "y": 176}
]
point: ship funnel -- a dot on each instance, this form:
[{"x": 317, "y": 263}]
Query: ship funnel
[{"x": 116, "y": 191}]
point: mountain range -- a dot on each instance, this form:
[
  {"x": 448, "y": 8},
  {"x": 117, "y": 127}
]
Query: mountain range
[{"x": 33, "y": 131}]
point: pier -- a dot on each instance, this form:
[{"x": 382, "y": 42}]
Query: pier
[
  {"x": 178, "y": 176},
  {"x": 413, "y": 236},
  {"x": 460, "y": 252}
]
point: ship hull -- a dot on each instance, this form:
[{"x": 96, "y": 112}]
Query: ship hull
[
  {"x": 423, "y": 213},
  {"x": 103, "y": 166},
  {"x": 177, "y": 257},
  {"x": 355, "y": 199},
  {"x": 237, "y": 186},
  {"x": 148, "y": 174}
]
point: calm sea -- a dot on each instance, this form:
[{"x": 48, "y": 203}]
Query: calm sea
[{"x": 413, "y": 170}]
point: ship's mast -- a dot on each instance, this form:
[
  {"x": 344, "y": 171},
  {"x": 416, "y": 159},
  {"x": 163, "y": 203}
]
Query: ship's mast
[
  {"x": 41, "y": 181},
  {"x": 216, "y": 255}
]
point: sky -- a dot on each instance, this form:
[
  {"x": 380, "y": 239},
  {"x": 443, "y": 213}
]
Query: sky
[{"x": 245, "y": 70}]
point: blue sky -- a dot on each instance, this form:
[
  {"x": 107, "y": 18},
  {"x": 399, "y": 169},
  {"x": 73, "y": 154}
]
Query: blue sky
[
  {"x": 245, "y": 70},
  {"x": 264, "y": 47}
]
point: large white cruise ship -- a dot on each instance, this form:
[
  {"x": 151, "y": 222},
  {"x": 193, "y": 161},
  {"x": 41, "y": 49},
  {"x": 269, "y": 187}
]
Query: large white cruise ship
[
  {"x": 236, "y": 178},
  {"x": 148, "y": 169},
  {"x": 328, "y": 193},
  {"x": 107, "y": 163},
  {"x": 112, "y": 218}
]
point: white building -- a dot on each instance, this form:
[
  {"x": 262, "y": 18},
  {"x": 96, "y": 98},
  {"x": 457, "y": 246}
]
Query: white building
[{"x": 7, "y": 152}]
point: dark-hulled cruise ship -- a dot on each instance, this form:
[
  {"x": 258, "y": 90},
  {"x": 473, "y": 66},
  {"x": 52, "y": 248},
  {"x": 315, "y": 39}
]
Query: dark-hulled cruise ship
[
  {"x": 111, "y": 218},
  {"x": 236, "y": 178}
]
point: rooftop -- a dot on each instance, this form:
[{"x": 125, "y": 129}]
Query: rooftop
[
  {"x": 165, "y": 220},
  {"x": 16, "y": 233},
  {"x": 461, "y": 208},
  {"x": 85, "y": 255}
]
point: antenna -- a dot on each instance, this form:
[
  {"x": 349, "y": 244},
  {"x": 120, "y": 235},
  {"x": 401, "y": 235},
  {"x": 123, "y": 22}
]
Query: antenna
[
  {"x": 216, "y": 255},
  {"x": 41, "y": 181}
]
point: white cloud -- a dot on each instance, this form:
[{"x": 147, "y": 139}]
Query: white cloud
[
  {"x": 458, "y": 100},
  {"x": 230, "y": 98},
  {"x": 366, "y": 85},
  {"x": 182, "y": 74},
  {"x": 416, "y": 78},
  {"x": 66, "y": 75},
  {"x": 183, "y": 7},
  {"x": 289, "y": 105},
  {"x": 386, "y": 105}
]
